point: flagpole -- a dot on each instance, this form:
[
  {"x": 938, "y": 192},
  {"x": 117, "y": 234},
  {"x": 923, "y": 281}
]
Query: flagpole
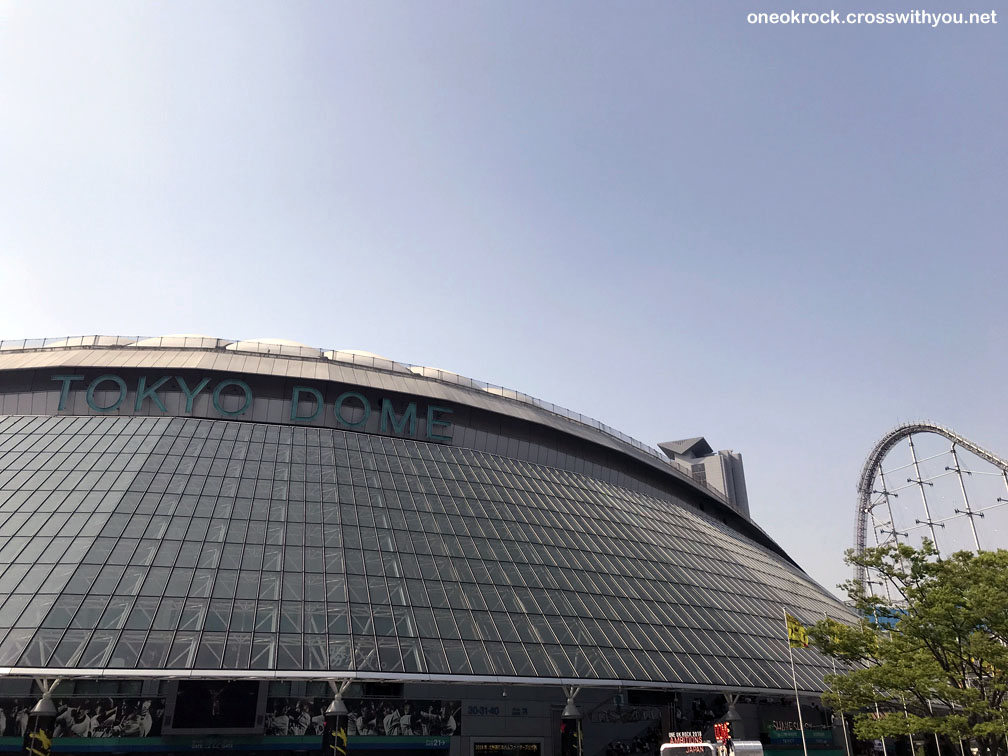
[
  {"x": 843, "y": 722},
  {"x": 794, "y": 679}
]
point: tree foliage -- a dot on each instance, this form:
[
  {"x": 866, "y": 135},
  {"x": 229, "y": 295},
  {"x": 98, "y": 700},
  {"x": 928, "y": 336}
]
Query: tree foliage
[{"x": 931, "y": 654}]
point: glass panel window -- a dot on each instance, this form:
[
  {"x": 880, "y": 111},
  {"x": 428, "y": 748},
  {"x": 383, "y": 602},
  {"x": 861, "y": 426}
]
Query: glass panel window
[
  {"x": 248, "y": 585},
  {"x": 434, "y": 656},
  {"x": 238, "y": 650},
  {"x": 412, "y": 655},
  {"x": 267, "y": 617},
  {"x": 168, "y": 614},
  {"x": 478, "y": 658},
  {"x": 127, "y": 650},
  {"x": 290, "y": 617},
  {"x": 70, "y": 648},
  {"x": 316, "y": 654},
  {"x": 389, "y": 658},
  {"x": 225, "y": 584},
  {"x": 289, "y": 652},
  {"x": 314, "y": 617},
  {"x": 269, "y": 585},
  {"x": 62, "y": 611},
  {"x": 218, "y": 615},
  {"x": 243, "y": 616},
  {"x": 155, "y": 650},
  {"x": 340, "y": 657},
  {"x": 210, "y": 652},
  {"x": 193, "y": 614},
  {"x": 458, "y": 662},
  {"x": 178, "y": 582},
  {"x": 264, "y": 651},
  {"x": 336, "y": 588},
  {"x": 142, "y": 615},
  {"x": 315, "y": 587},
  {"x": 338, "y": 622},
  {"x": 40, "y": 648},
  {"x": 383, "y": 621},
  {"x": 131, "y": 581},
  {"x": 365, "y": 654},
  {"x": 90, "y": 611},
  {"x": 116, "y": 613}
]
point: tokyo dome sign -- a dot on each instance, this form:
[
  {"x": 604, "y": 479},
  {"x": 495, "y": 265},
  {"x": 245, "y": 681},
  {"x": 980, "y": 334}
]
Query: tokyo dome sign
[{"x": 234, "y": 398}]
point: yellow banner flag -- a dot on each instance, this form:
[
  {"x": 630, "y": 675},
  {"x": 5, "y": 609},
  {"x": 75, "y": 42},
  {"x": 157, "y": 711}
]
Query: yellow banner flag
[{"x": 797, "y": 635}]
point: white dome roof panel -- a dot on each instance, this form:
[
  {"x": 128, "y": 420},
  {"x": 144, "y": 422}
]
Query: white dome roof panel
[
  {"x": 365, "y": 359},
  {"x": 183, "y": 341},
  {"x": 283, "y": 347}
]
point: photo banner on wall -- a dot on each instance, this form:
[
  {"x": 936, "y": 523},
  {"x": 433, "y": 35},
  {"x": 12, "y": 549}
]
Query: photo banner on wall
[
  {"x": 93, "y": 717},
  {"x": 383, "y": 717}
]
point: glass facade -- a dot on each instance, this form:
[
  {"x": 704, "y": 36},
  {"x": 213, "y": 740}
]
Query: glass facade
[{"x": 164, "y": 544}]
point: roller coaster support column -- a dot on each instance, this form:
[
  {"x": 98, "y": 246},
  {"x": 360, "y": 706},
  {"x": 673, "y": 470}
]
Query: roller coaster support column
[
  {"x": 921, "y": 482},
  {"x": 962, "y": 486}
]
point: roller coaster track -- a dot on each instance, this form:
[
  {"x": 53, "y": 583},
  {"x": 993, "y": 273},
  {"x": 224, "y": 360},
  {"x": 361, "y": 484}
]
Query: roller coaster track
[{"x": 873, "y": 464}]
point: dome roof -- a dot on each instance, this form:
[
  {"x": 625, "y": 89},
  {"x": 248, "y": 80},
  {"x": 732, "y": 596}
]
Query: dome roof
[
  {"x": 367, "y": 359},
  {"x": 707, "y": 592},
  {"x": 183, "y": 341},
  {"x": 283, "y": 347},
  {"x": 87, "y": 341},
  {"x": 441, "y": 375},
  {"x": 511, "y": 394},
  {"x": 157, "y": 352}
]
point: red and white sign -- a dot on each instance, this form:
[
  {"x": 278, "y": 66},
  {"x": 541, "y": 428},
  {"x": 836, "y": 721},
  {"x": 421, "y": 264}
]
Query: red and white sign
[{"x": 688, "y": 737}]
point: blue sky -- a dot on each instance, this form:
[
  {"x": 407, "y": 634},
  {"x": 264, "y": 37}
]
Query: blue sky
[{"x": 785, "y": 238}]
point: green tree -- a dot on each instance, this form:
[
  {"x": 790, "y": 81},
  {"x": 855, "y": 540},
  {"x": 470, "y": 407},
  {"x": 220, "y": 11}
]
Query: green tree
[{"x": 931, "y": 654}]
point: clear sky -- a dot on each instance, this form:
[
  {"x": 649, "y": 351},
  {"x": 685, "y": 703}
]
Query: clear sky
[{"x": 785, "y": 238}]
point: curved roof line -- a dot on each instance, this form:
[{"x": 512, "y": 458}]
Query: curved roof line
[
  {"x": 874, "y": 462},
  {"x": 361, "y": 359},
  {"x": 434, "y": 384}
]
